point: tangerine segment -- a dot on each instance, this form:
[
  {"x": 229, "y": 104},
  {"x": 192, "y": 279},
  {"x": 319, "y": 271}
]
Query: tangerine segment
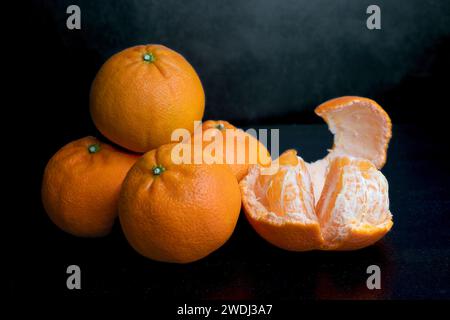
[
  {"x": 280, "y": 207},
  {"x": 353, "y": 209},
  {"x": 360, "y": 126},
  {"x": 318, "y": 171}
]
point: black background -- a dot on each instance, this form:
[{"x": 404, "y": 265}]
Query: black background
[
  {"x": 260, "y": 61},
  {"x": 266, "y": 64}
]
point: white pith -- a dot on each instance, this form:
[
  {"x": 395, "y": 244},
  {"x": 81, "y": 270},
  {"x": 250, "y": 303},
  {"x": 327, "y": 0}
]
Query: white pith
[
  {"x": 294, "y": 208},
  {"x": 360, "y": 130},
  {"x": 354, "y": 126},
  {"x": 361, "y": 202},
  {"x": 317, "y": 171}
]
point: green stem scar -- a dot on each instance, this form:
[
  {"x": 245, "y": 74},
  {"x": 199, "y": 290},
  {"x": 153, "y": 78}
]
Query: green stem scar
[
  {"x": 220, "y": 126},
  {"x": 148, "y": 57},
  {"x": 157, "y": 170},
  {"x": 94, "y": 148}
]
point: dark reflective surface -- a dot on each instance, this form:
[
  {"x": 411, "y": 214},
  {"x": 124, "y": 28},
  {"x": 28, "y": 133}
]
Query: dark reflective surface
[{"x": 413, "y": 257}]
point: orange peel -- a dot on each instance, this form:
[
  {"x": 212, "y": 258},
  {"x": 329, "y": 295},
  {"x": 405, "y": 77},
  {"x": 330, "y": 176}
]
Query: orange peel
[
  {"x": 361, "y": 128},
  {"x": 337, "y": 203}
]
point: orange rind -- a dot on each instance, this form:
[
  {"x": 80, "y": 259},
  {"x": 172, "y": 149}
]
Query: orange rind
[
  {"x": 280, "y": 207},
  {"x": 352, "y": 212},
  {"x": 340, "y": 202},
  {"x": 361, "y": 129}
]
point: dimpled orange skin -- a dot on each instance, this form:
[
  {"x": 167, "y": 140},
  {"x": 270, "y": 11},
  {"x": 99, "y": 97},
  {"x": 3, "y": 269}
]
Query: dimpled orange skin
[
  {"x": 239, "y": 169},
  {"x": 80, "y": 189},
  {"x": 178, "y": 212},
  {"x": 289, "y": 236},
  {"x": 142, "y": 94}
]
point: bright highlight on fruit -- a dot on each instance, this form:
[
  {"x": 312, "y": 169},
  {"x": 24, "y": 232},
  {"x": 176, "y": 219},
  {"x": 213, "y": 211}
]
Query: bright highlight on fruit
[
  {"x": 148, "y": 57},
  {"x": 337, "y": 203}
]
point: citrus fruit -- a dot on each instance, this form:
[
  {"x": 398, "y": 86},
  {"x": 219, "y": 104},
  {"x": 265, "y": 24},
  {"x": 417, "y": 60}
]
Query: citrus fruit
[
  {"x": 361, "y": 129},
  {"x": 337, "y": 203},
  {"x": 238, "y": 148},
  {"x": 280, "y": 207},
  {"x": 142, "y": 94},
  {"x": 81, "y": 186},
  {"x": 178, "y": 212},
  {"x": 352, "y": 213}
]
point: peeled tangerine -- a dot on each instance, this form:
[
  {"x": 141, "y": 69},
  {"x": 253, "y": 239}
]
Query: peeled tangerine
[{"x": 337, "y": 203}]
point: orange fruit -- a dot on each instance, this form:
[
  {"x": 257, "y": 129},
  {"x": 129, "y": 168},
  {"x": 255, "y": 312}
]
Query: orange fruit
[
  {"x": 336, "y": 203},
  {"x": 239, "y": 150},
  {"x": 352, "y": 213},
  {"x": 178, "y": 212},
  {"x": 280, "y": 207},
  {"x": 142, "y": 94},
  {"x": 81, "y": 186},
  {"x": 361, "y": 129}
]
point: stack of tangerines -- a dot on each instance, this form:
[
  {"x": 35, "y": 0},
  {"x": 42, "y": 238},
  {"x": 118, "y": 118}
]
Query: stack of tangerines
[{"x": 181, "y": 212}]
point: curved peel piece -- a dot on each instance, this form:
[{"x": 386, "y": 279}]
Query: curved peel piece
[
  {"x": 352, "y": 209},
  {"x": 360, "y": 126}
]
